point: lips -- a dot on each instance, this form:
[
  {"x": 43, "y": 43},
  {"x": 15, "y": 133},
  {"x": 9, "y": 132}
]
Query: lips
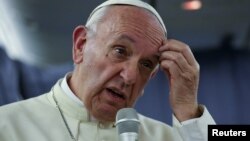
[{"x": 116, "y": 93}]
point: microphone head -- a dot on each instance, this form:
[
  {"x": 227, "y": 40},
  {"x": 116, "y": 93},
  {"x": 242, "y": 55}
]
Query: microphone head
[{"x": 127, "y": 121}]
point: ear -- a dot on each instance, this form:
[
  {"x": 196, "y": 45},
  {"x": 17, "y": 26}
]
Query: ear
[{"x": 79, "y": 40}]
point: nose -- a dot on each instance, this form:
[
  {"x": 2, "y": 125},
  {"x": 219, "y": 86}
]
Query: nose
[{"x": 129, "y": 73}]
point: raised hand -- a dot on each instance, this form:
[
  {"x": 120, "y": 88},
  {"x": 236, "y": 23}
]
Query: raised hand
[{"x": 182, "y": 70}]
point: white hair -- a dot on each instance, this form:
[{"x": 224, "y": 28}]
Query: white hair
[{"x": 96, "y": 18}]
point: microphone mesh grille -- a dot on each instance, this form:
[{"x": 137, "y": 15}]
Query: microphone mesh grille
[{"x": 127, "y": 120}]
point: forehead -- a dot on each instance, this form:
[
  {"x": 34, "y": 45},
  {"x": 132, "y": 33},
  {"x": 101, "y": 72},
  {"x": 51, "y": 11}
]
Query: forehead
[
  {"x": 129, "y": 12},
  {"x": 138, "y": 23}
]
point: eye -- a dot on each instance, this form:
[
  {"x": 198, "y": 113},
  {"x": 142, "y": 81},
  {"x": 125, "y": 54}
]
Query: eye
[
  {"x": 120, "y": 52},
  {"x": 147, "y": 64}
]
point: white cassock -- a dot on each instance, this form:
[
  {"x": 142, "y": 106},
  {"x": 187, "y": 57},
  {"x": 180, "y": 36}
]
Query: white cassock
[{"x": 38, "y": 119}]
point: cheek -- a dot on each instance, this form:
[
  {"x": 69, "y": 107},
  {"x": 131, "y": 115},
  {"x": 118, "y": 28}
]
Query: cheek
[
  {"x": 91, "y": 100},
  {"x": 98, "y": 73},
  {"x": 137, "y": 93}
]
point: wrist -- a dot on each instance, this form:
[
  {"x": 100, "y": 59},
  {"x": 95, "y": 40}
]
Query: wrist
[{"x": 188, "y": 112}]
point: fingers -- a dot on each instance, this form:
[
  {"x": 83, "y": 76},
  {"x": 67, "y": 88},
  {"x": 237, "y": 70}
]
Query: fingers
[
  {"x": 179, "y": 47},
  {"x": 173, "y": 69},
  {"x": 178, "y": 62},
  {"x": 176, "y": 57}
]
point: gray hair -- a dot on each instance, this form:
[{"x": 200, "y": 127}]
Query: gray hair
[{"x": 96, "y": 18}]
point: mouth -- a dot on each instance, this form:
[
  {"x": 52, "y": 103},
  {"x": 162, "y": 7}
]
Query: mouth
[{"x": 116, "y": 93}]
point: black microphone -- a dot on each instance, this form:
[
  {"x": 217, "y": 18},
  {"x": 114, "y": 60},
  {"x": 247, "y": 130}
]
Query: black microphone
[{"x": 127, "y": 124}]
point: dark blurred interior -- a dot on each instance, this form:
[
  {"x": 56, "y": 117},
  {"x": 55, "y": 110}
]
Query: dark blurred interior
[{"x": 35, "y": 51}]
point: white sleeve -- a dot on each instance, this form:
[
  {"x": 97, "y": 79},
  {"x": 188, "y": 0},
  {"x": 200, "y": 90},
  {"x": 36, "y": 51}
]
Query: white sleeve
[{"x": 194, "y": 129}]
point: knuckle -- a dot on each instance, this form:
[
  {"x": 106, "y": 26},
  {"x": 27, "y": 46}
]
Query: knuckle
[
  {"x": 196, "y": 68},
  {"x": 186, "y": 48},
  {"x": 178, "y": 56}
]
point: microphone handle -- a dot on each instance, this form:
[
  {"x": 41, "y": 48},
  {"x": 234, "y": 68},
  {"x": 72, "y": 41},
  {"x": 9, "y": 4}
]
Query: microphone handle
[{"x": 128, "y": 136}]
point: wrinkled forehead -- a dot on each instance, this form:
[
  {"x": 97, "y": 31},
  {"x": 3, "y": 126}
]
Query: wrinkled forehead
[
  {"x": 142, "y": 35},
  {"x": 126, "y": 12},
  {"x": 135, "y": 3},
  {"x": 135, "y": 22}
]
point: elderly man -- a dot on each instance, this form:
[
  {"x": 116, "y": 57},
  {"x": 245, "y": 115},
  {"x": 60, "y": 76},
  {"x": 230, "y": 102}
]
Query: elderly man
[{"x": 120, "y": 48}]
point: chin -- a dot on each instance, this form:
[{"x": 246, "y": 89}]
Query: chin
[{"x": 105, "y": 115}]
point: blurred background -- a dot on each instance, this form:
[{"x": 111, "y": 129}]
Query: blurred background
[{"x": 36, "y": 44}]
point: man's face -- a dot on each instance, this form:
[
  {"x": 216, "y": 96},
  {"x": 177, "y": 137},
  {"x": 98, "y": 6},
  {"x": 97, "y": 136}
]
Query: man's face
[{"x": 117, "y": 61}]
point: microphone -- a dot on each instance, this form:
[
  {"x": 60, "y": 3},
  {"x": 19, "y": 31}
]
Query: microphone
[{"x": 127, "y": 123}]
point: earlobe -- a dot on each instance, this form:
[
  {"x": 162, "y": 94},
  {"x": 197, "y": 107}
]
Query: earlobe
[{"x": 79, "y": 40}]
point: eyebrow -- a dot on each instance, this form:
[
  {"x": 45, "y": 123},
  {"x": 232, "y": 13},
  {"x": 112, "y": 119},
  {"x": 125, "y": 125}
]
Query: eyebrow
[{"x": 126, "y": 37}]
